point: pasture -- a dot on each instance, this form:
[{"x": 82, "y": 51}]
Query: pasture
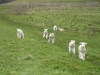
[{"x": 33, "y": 55}]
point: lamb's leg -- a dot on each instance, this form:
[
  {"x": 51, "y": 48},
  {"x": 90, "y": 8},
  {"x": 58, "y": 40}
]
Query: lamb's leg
[{"x": 73, "y": 50}]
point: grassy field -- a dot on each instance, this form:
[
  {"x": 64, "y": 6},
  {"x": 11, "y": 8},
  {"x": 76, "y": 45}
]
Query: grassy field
[{"x": 33, "y": 55}]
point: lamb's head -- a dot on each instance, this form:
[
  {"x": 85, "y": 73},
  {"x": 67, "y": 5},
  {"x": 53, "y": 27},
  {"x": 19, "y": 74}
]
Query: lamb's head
[
  {"x": 45, "y": 29},
  {"x": 52, "y": 33},
  {"x": 55, "y": 26},
  {"x": 83, "y": 44},
  {"x": 73, "y": 41},
  {"x": 18, "y": 29}
]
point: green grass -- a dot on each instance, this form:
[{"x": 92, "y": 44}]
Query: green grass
[{"x": 33, "y": 55}]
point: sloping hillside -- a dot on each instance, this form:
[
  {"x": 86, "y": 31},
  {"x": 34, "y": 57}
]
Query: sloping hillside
[{"x": 33, "y": 55}]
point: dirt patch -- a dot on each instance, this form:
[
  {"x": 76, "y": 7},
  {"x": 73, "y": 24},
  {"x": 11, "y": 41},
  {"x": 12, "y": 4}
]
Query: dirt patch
[{"x": 54, "y": 4}]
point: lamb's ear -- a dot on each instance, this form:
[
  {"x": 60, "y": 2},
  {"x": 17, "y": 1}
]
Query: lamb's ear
[
  {"x": 85, "y": 43},
  {"x": 73, "y": 40}
]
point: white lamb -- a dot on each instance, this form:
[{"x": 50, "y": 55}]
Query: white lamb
[
  {"x": 51, "y": 37},
  {"x": 60, "y": 29},
  {"x": 82, "y": 50},
  {"x": 55, "y": 28},
  {"x": 20, "y": 33},
  {"x": 45, "y": 33},
  {"x": 72, "y": 46}
]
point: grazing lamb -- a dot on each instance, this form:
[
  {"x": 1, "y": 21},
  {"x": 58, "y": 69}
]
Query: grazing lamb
[
  {"x": 45, "y": 33},
  {"x": 72, "y": 46},
  {"x": 20, "y": 33},
  {"x": 82, "y": 50},
  {"x": 55, "y": 28},
  {"x": 51, "y": 37},
  {"x": 60, "y": 29}
]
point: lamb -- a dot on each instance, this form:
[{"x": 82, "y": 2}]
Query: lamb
[
  {"x": 55, "y": 28},
  {"x": 60, "y": 29},
  {"x": 51, "y": 37},
  {"x": 72, "y": 46},
  {"x": 45, "y": 33},
  {"x": 20, "y": 33},
  {"x": 82, "y": 50}
]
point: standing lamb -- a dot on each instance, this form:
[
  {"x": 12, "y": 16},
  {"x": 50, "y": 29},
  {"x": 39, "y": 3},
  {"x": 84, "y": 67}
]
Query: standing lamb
[
  {"x": 51, "y": 37},
  {"x": 72, "y": 46},
  {"x": 20, "y": 33},
  {"x": 82, "y": 50},
  {"x": 55, "y": 28},
  {"x": 45, "y": 33}
]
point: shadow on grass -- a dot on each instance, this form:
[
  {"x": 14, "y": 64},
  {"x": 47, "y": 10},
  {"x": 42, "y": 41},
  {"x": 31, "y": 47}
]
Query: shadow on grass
[{"x": 5, "y": 1}]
